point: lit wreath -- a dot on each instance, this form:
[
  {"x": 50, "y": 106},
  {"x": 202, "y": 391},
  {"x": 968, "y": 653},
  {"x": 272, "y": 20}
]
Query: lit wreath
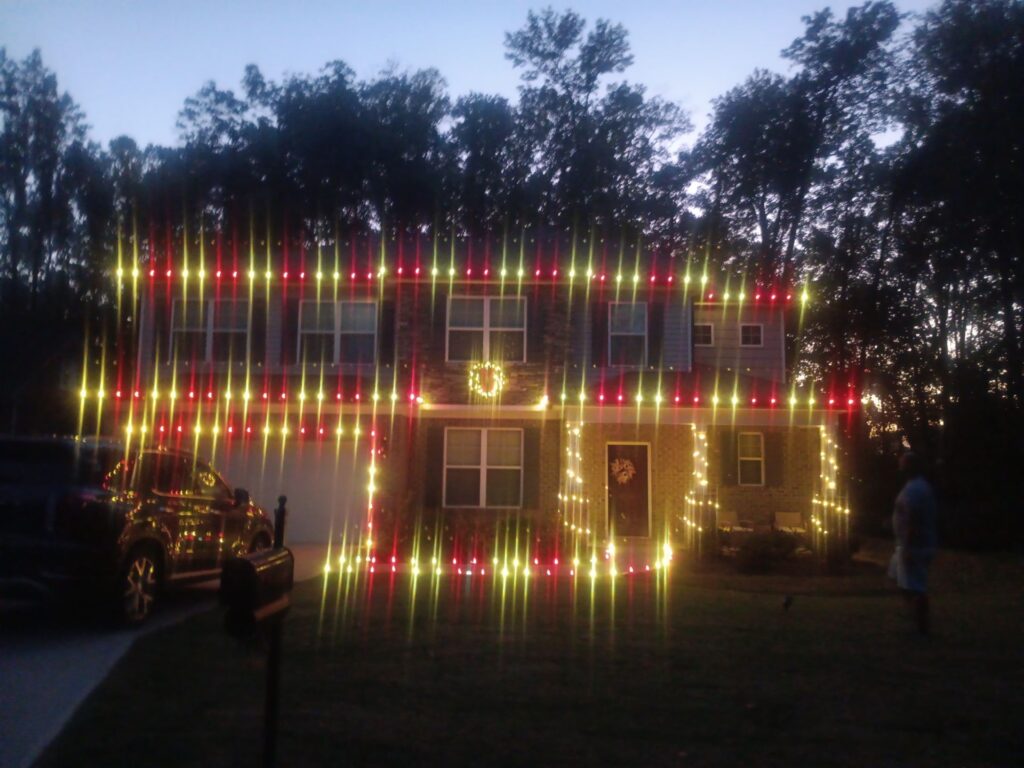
[{"x": 486, "y": 379}]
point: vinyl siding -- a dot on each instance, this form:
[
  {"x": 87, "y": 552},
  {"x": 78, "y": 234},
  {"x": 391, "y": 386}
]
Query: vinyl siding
[{"x": 766, "y": 361}]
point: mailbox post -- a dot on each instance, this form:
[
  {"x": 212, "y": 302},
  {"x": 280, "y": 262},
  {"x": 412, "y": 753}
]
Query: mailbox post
[{"x": 256, "y": 591}]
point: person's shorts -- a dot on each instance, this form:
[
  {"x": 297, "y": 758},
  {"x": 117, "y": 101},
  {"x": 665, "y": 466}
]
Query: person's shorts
[{"x": 912, "y": 571}]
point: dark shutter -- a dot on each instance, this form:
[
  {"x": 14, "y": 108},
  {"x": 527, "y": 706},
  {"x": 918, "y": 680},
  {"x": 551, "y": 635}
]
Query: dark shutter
[
  {"x": 386, "y": 334},
  {"x": 726, "y": 455},
  {"x": 289, "y": 329},
  {"x": 774, "y": 471},
  {"x": 439, "y": 326},
  {"x": 161, "y": 313},
  {"x": 258, "y": 331},
  {"x": 434, "y": 467},
  {"x": 655, "y": 332},
  {"x": 531, "y": 468},
  {"x": 599, "y": 333},
  {"x": 536, "y": 327}
]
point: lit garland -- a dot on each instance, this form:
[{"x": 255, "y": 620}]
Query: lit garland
[
  {"x": 830, "y": 513},
  {"x": 570, "y": 275},
  {"x": 486, "y": 379},
  {"x": 573, "y": 500},
  {"x": 701, "y": 501}
]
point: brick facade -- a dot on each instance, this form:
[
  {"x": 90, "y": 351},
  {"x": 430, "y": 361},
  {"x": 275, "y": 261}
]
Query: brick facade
[
  {"x": 671, "y": 470},
  {"x": 791, "y": 468}
]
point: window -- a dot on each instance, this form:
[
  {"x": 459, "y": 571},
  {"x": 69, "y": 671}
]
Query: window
[
  {"x": 204, "y": 331},
  {"x": 165, "y": 473},
  {"x": 750, "y": 335},
  {"x": 750, "y": 457},
  {"x": 703, "y": 335},
  {"x": 209, "y": 485},
  {"x": 338, "y": 332},
  {"x": 486, "y": 329},
  {"x": 189, "y": 320},
  {"x": 483, "y": 467},
  {"x": 229, "y": 330},
  {"x": 627, "y": 333}
]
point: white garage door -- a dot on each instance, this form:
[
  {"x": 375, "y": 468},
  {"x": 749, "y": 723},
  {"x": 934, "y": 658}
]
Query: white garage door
[{"x": 325, "y": 482}]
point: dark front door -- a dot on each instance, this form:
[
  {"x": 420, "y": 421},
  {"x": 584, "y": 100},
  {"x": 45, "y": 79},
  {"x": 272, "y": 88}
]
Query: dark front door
[{"x": 628, "y": 503}]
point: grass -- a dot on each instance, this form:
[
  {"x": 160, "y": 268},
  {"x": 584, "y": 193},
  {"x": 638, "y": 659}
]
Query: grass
[{"x": 705, "y": 668}]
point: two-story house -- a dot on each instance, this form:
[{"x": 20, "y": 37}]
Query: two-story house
[{"x": 466, "y": 400}]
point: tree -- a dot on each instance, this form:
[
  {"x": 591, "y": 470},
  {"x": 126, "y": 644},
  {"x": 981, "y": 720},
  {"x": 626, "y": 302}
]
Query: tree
[
  {"x": 593, "y": 156},
  {"x": 771, "y": 138}
]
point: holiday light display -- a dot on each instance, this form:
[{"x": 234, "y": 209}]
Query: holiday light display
[
  {"x": 830, "y": 511},
  {"x": 173, "y": 401}
]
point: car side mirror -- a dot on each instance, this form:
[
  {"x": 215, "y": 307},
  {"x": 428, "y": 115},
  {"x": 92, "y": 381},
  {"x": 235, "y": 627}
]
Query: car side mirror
[{"x": 241, "y": 497}]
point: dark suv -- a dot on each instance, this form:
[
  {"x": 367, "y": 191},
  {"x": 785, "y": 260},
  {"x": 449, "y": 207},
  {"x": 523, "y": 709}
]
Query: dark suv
[{"x": 117, "y": 522}]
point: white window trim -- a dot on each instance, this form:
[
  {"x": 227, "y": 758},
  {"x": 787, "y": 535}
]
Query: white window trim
[
  {"x": 740, "y": 458},
  {"x": 482, "y": 467},
  {"x": 611, "y": 333},
  {"x": 486, "y": 328},
  {"x": 711, "y": 326},
  {"x": 752, "y": 325},
  {"x": 337, "y": 333},
  {"x": 208, "y": 330}
]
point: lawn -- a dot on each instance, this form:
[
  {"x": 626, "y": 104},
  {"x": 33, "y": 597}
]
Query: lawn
[{"x": 697, "y": 668}]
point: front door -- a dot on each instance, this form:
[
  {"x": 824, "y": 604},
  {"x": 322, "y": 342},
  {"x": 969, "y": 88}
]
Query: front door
[{"x": 628, "y": 482}]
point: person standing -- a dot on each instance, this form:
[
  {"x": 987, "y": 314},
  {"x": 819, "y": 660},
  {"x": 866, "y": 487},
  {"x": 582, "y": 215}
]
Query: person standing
[{"x": 914, "y": 524}]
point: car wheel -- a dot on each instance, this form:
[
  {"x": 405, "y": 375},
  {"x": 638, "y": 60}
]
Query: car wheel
[{"x": 140, "y": 581}]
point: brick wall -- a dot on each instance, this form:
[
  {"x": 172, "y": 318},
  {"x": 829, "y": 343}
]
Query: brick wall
[
  {"x": 789, "y": 497},
  {"x": 671, "y": 468},
  {"x": 420, "y": 330},
  {"x": 412, "y": 464}
]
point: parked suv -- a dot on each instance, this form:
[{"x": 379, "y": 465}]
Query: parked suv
[{"x": 117, "y": 522}]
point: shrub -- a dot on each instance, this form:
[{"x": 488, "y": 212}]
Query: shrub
[{"x": 761, "y": 551}]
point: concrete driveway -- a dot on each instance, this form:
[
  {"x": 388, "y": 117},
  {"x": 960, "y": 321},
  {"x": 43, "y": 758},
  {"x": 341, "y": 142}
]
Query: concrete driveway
[{"x": 51, "y": 661}]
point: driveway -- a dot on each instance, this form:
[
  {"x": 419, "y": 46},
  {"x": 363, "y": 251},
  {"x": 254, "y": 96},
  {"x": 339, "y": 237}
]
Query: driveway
[{"x": 51, "y": 661}]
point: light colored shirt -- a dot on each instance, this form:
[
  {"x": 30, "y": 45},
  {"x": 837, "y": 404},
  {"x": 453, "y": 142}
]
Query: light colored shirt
[{"x": 914, "y": 515}]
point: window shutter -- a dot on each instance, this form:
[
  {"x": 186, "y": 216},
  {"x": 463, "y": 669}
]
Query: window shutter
[
  {"x": 439, "y": 326},
  {"x": 774, "y": 471},
  {"x": 536, "y": 328},
  {"x": 161, "y": 313},
  {"x": 289, "y": 330},
  {"x": 727, "y": 456},
  {"x": 655, "y": 332},
  {"x": 386, "y": 333},
  {"x": 531, "y": 468},
  {"x": 258, "y": 331},
  {"x": 599, "y": 333},
  {"x": 432, "y": 487}
]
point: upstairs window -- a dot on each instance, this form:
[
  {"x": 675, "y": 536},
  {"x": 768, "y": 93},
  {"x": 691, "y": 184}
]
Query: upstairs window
[
  {"x": 209, "y": 330},
  {"x": 627, "y": 334},
  {"x": 229, "y": 330},
  {"x": 486, "y": 328},
  {"x": 751, "y": 335},
  {"x": 483, "y": 467},
  {"x": 332, "y": 332},
  {"x": 750, "y": 458},
  {"x": 703, "y": 335}
]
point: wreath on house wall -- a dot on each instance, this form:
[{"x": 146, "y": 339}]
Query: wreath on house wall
[
  {"x": 486, "y": 379},
  {"x": 622, "y": 470}
]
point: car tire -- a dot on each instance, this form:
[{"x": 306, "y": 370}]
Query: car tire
[{"x": 138, "y": 586}]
